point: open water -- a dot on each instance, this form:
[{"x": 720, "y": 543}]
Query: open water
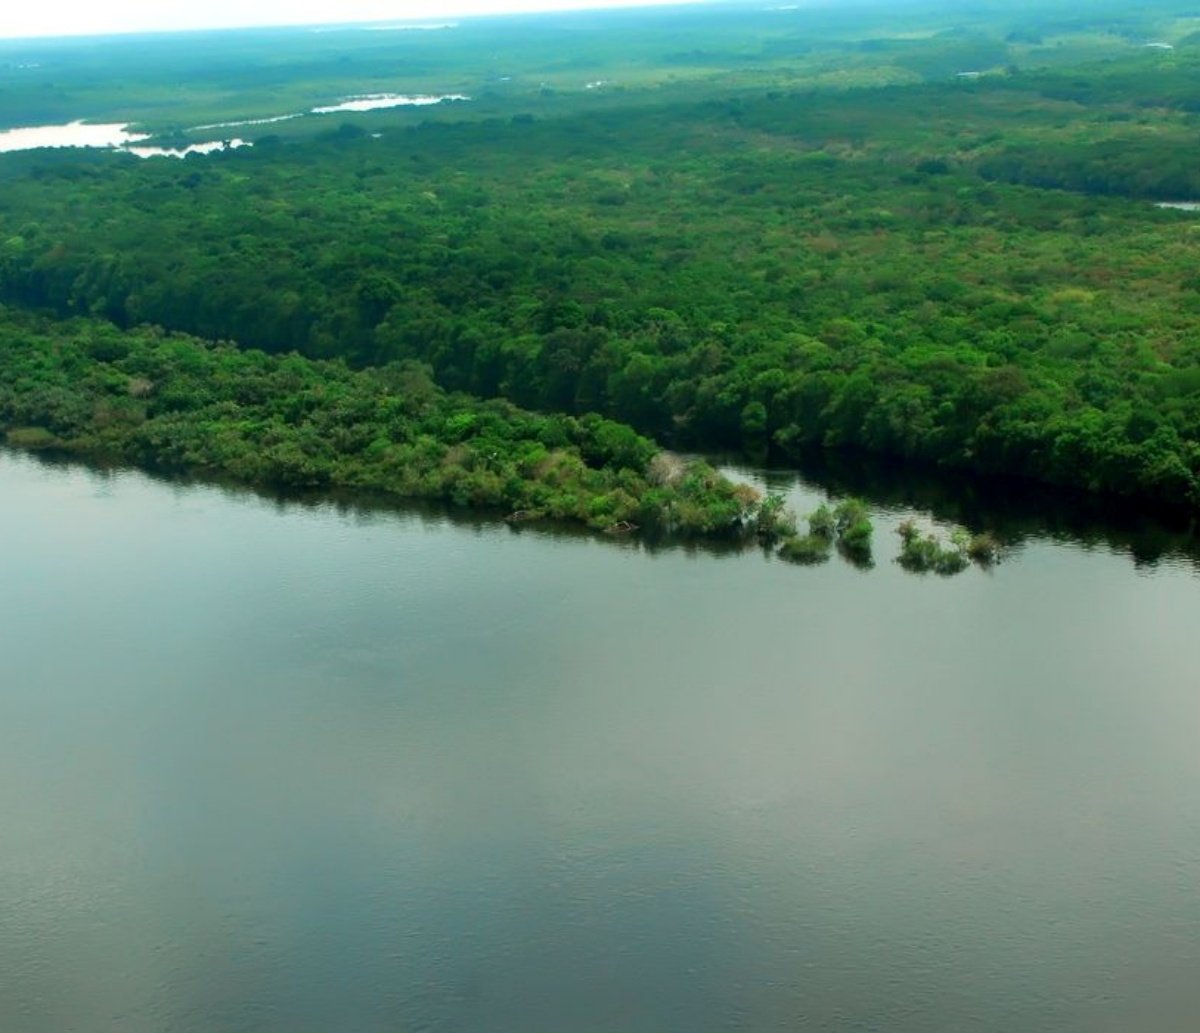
[{"x": 270, "y": 766}]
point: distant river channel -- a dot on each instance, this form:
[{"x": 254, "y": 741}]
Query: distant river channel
[{"x": 310, "y": 767}]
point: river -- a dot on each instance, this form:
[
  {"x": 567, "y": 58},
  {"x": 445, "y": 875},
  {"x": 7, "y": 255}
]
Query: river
[{"x": 270, "y": 766}]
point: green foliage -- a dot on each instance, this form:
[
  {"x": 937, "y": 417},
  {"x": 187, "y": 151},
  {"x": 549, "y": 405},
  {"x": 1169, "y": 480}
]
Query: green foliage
[
  {"x": 809, "y": 549},
  {"x": 774, "y": 520},
  {"x": 846, "y": 525},
  {"x": 175, "y": 404},
  {"x": 922, "y": 553},
  {"x": 822, "y": 523},
  {"x": 32, "y": 438},
  {"x": 850, "y": 514},
  {"x": 855, "y": 542},
  {"x": 983, "y": 549}
]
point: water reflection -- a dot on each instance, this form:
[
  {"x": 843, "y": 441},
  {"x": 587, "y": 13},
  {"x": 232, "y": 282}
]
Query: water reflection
[
  {"x": 298, "y": 765},
  {"x": 116, "y": 136},
  {"x": 377, "y": 101},
  {"x": 73, "y": 134},
  {"x": 1015, "y": 512},
  {"x": 211, "y": 147},
  {"x": 105, "y": 136}
]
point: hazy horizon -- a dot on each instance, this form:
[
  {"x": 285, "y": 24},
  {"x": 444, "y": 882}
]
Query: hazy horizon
[{"x": 138, "y": 16}]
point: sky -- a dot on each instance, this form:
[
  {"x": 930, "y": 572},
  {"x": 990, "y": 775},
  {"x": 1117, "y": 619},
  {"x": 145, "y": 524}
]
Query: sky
[{"x": 75, "y": 17}]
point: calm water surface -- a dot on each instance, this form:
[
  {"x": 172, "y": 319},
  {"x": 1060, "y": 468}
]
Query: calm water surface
[
  {"x": 116, "y": 135},
  {"x": 300, "y": 768},
  {"x": 106, "y": 136}
]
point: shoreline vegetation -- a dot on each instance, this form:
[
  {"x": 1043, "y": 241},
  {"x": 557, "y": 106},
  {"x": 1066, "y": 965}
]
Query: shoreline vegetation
[{"x": 171, "y": 404}]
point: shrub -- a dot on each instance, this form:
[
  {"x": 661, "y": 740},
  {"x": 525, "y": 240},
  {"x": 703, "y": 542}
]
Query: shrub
[
  {"x": 774, "y": 520},
  {"x": 855, "y": 542},
  {"x": 848, "y": 513},
  {"x": 921, "y": 553},
  {"x": 808, "y": 549},
  {"x": 31, "y": 437},
  {"x": 984, "y": 549},
  {"x": 822, "y": 523}
]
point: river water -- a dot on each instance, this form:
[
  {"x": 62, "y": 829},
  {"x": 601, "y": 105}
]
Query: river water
[{"x": 273, "y": 766}]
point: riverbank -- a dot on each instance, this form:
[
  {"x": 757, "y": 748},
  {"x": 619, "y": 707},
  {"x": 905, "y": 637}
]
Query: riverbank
[{"x": 171, "y": 403}]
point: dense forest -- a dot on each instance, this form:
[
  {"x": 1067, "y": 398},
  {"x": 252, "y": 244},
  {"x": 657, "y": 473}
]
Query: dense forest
[
  {"x": 173, "y": 404},
  {"x": 941, "y": 249}
]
